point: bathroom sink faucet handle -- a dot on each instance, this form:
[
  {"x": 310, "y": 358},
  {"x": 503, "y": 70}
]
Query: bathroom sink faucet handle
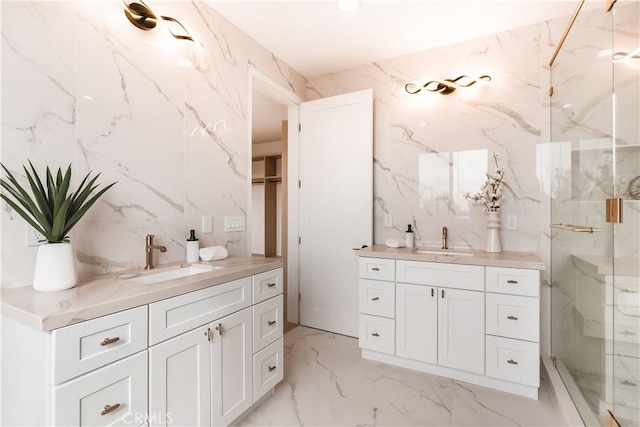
[{"x": 444, "y": 238}]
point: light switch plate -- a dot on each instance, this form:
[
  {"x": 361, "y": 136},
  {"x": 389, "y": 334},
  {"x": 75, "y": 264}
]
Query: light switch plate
[
  {"x": 207, "y": 225},
  {"x": 388, "y": 220},
  {"x": 234, "y": 223},
  {"x": 512, "y": 222}
]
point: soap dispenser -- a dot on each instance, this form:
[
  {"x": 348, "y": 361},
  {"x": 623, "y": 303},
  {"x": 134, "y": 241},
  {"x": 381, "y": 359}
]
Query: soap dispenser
[
  {"x": 193, "y": 247},
  {"x": 408, "y": 236}
]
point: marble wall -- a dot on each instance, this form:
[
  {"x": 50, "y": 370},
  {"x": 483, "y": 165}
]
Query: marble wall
[{"x": 82, "y": 86}]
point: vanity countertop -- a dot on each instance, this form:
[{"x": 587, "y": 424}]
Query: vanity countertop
[
  {"x": 103, "y": 295},
  {"x": 525, "y": 260}
]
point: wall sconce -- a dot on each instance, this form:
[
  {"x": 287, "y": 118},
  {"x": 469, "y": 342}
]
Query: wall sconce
[
  {"x": 446, "y": 86},
  {"x": 141, "y": 15}
]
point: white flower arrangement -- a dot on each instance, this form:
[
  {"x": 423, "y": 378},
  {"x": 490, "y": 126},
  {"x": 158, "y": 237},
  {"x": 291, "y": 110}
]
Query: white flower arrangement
[{"x": 490, "y": 193}]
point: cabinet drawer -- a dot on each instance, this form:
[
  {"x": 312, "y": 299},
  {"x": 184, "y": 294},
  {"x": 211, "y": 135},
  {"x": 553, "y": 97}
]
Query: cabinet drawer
[
  {"x": 173, "y": 316},
  {"x": 267, "y": 322},
  {"x": 513, "y": 281},
  {"x": 513, "y": 360},
  {"x": 377, "y": 268},
  {"x": 377, "y": 298},
  {"x": 470, "y": 277},
  {"x": 513, "y": 316},
  {"x": 113, "y": 395},
  {"x": 86, "y": 346},
  {"x": 268, "y": 368},
  {"x": 377, "y": 333},
  {"x": 267, "y": 285}
]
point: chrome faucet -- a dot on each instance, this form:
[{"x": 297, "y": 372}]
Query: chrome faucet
[
  {"x": 444, "y": 238},
  {"x": 149, "y": 251}
]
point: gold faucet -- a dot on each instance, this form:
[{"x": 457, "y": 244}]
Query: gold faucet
[
  {"x": 444, "y": 238},
  {"x": 149, "y": 251}
]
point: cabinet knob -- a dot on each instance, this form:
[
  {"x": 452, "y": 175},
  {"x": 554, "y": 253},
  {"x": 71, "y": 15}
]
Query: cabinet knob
[
  {"x": 108, "y": 341},
  {"x": 375, "y": 334},
  {"x": 512, "y": 318},
  {"x": 512, "y": 362},
  {"x": 512, "y": 282},
  {"x": 375, "y": 298},
  {"x": 375, "y": 269},
  {"x": 272, "y": 368},
  {"x": 109, "y": 408},
  {"x": 271, "y": 285},
  {"x": 271, "y": 322}
]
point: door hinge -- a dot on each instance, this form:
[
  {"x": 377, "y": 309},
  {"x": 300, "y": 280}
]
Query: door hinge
[
  {"x": 554, "y": 361},
  {"x": 614, "y": 210},
  {"x": 208, "y": 334},
  {"x": 299, "y": 127}
]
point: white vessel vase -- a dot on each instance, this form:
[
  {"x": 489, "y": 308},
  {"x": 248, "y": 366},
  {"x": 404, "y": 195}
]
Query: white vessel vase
[
  {"x": 55, "y": 267},
  {"x": 493, "y": 232}
]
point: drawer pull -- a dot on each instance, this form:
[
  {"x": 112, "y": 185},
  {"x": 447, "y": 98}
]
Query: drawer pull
[
  {"x": 442, "y": 294},
  {"x": 512, "y": 282},
  {"x": 108, "y": 341},
  {"x": 375, "y": 269},
  {"x": 375, "y": 334},
  {"x": 375, "y": 298},
  {"x": 432, "y": 291},
  {"x": 512, "y": 318},
  {"x": 219, "y": 329},
  {"x": 272, "y": 368},
  {"x": 271, "y": 322},
  {"x": 109, "y": 408},
  {"x": 512, "y": 362},
  {"x": 628, "y": 333},
  {"x": 271, "y": 285},
  {"x": 628, "y": 383}
]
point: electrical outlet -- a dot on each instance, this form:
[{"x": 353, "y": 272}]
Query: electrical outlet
[
  {"x": 32, "y": 236},
  {"x": 512, "y": 222},
  {"x": 207, "y": 225},
  {"x": 388, "y": 220}
]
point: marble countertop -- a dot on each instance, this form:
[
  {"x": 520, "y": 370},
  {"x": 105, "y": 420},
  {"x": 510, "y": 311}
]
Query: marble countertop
[
  {"x": 45, "y": 311},
  {"x": 476, "y": 257}
]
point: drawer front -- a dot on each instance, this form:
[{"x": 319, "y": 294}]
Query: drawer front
[
  {"x": 513, "y": 360},
  {"x": 268, "y": 368},
  {"x": 513, "y": 316},
  {"x": 377, "y": 268},
  {"x": 267, "y": 285},
  {"x": 469, "y": 277},
  {"x": 377, "y": 333},
  {"x": 377, "y": 298},
  {"x": 267, "y": 322},
  {"x": 514, "y": 281},
  {"x": 113, "y": 395},
  {"x": 173, "y": 316},
  {"x": 83, "y": 347}
]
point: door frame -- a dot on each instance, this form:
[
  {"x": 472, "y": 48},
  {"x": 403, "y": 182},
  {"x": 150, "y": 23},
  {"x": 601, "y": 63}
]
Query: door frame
[{"x": 258, "y": 80}]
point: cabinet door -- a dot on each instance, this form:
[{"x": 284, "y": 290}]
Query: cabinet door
[
  {"x": 232, "y": 387},
  {"x": 461, "y": 329},
  {"x": 180, "y": 380},
  {"x": 417, "y": 322}
]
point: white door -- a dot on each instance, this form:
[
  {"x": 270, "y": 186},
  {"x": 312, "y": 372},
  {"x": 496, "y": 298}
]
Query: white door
[
  {"x": 461, "y": 329},
  {"x": 180, "y": 380},
  {"x": 417, "y": 322},
  {"x": 336, "y": 207},
  {"x": 232, "y": 366}
]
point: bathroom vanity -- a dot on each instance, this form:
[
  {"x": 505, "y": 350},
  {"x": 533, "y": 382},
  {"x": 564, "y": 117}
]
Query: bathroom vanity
[
  {"x": 202, "y": 349},
  {"x": 467, "y": 315}
]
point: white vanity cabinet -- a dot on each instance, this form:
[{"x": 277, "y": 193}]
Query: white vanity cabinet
[{"x": 473, "y": 323}]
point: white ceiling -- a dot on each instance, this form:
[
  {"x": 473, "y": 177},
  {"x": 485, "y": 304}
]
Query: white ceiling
[{"x": 315, "y": 37}]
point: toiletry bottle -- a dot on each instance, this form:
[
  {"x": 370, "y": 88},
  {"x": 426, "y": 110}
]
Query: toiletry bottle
[
  {"x": 193, "y": 247},
  {"x": 408, "y": 236}
]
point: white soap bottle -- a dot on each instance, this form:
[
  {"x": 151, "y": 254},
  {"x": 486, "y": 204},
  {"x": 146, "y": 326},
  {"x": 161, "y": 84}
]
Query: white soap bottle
[
  {"x": 193, "y": 247},
  {"x": 408, "y": 236}
]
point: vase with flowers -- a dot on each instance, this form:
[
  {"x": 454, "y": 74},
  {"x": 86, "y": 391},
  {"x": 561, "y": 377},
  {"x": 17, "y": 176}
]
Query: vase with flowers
[{"x": 490, "y": 196}]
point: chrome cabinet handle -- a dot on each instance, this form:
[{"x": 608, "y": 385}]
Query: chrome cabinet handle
[
  {"x": 271, "y": 285},
  {"x": 272, "y": 368},
  {"x": 375, "y": 269},
  {"x": 512, "y": 282},
  {"x": 108, "y": 341},
  {"x": 375, "y": 334},
  {"x": 512, "y": 362},
  {"x": 109, "y": 408},
  {"x": 271, "y": 322},
  {"x": 375, "y": 298},
  {"x": 512, "y": 318}
]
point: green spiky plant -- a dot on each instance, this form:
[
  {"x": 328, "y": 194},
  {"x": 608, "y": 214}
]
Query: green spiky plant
[{"x": 54, "y": 209}]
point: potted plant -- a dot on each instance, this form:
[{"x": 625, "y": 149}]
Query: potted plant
[{"x": 52, "y": 209}]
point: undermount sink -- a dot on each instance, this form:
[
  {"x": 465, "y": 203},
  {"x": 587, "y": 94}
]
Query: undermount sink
[
  {"x": 443, "y": 252},
  {"x": 170, "y": 273}
]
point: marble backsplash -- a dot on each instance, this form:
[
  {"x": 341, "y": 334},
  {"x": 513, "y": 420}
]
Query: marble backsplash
[{"x": 82, "y": 86}]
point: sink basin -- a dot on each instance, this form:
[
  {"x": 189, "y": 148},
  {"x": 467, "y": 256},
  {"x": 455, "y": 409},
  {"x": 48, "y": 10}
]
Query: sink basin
[
  {"x": 171, "y": 273},
  {"x": 443, "y": 252}
]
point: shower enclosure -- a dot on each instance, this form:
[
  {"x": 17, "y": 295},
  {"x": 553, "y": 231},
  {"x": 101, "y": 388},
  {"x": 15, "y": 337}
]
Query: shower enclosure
[{"x": 595, "y": 213}]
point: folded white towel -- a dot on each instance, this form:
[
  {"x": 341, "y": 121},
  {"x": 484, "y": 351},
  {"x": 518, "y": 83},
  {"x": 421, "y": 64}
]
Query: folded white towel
[
  {"x": 213, "y": 253},
  {"x": 396, "y": 243}
]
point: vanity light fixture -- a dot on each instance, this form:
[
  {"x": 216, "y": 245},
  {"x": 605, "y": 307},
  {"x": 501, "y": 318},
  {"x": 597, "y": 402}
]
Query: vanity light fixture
[
  {"x": 446, "y": 86},
  {"x": 141, "y": 15}
]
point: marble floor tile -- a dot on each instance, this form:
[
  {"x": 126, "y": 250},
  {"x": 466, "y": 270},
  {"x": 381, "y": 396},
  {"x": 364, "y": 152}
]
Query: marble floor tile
[{"x": 327, "y": 383}]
